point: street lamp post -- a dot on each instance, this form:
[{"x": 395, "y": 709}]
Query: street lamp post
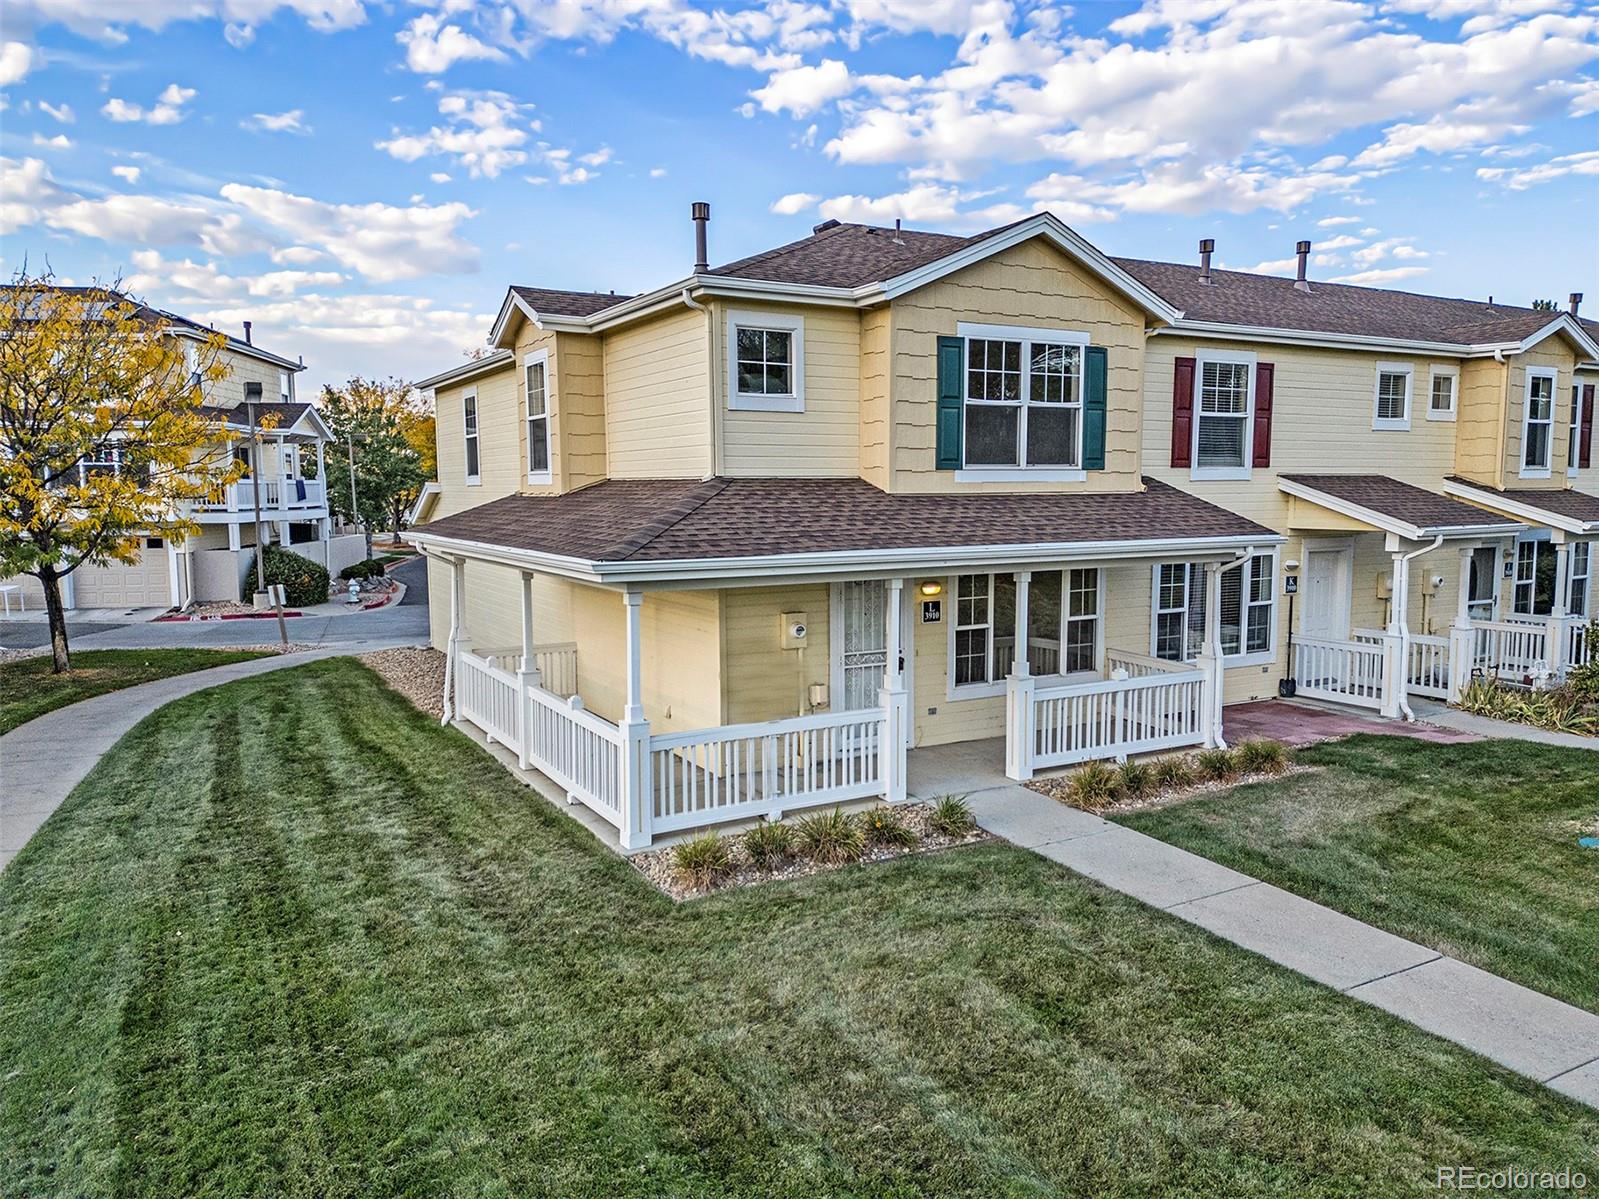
[{"x": 252, "y": 396}]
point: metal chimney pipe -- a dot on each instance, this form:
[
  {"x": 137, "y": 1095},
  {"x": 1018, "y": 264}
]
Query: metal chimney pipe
[
  {"x": 247, "y": 340},
  {"x": 700, "y": 212},
  {"x": 1207, "y": 246},
  {"x": 1574, "y": 302},
  {"x": 1302, "y": 251}
]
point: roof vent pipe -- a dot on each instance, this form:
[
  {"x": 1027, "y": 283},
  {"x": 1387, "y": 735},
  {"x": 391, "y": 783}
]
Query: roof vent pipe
[
  {"x": 248, "y": 342},
  {"x": 1207, "y": 246},
  {"x": 1302, "y": 251},
  {"x": 700, "y": 212},
  {"x": 898, "y": 240},
  {"x": 1574, "y": 302}
]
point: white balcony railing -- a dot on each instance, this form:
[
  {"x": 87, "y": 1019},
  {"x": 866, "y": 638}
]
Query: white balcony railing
[{"x": 279, "y": 497}]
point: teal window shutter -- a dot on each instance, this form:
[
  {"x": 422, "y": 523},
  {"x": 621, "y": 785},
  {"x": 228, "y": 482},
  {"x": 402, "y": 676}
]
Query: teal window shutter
[
  {"x": 951, "y": 361},
  {"x": 1094, "y": 410}
]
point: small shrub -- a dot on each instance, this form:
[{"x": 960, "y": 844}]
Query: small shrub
[
  {"x": 1093, "y": 786},
  {"x": 1216, "y": 765},
  {"x": 831, "y": 837},
  {"x": 1173, "y": 773},
  {"x": 702, "y": 861},
  {"x": 1583, "y": 678},
  {"x": 951, "y": 817},
  {"x": 769, "y": 843},
  {"x": 304, "y": 582},
  {"x": 372, "y": 568},
  {"x": 1262, "y": 756},
  {"x": 1135, "y": 780},
  {"x": 884, "y": 827}
]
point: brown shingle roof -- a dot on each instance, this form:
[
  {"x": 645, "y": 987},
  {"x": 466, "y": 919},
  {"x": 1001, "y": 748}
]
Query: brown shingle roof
[
  {"x": 286, "y": 414},
  {"x": 1424, "y": 510},
  {"x": 849, "y": 256},
  {"x": 568, "y": 303},
  {"x": 657, "y": 520},
  {"x": 1566, "y": 502}
]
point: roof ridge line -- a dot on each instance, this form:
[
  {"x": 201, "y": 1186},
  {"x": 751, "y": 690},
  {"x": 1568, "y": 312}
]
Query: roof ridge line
[{"x": 708, "y": 490}]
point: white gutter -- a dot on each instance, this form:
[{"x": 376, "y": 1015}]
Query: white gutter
[
  {"x": 1390, "y": 524},
  {"x": 1402, "y": 606},
  {"x": 1528, "y": 513}
]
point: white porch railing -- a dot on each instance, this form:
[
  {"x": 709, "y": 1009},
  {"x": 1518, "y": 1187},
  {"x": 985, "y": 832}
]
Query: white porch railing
[
  {"x": 1347, "y": 672},
  {"x": 1140, "y": 666},
  {"x": 1118, "y": 717},
  {"x": 740, "y": 771},
  {"x": 277, "y": 496},
  {"x": 556, "y": 662},
  {"x": 1427, "y": 665},
  {"x": 577, "y": 749},
  {"x": 490, "y": 698},
  {"x": 1509, "y": 649}
]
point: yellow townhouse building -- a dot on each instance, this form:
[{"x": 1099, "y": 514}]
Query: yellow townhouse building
[{"x": 740, "y": 544}]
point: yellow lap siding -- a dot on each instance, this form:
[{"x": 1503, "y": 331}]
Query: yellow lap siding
[
  {"x": 657, "y": 398},
  {"x": 1555, "y": 353},
  {"x": 761, "y": 680}
]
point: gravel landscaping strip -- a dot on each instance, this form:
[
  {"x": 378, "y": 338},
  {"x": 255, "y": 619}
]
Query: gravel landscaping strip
[{"x": 416, "y": 673}]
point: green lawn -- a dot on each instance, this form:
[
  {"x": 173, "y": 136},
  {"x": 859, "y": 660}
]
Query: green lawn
[
  {"x": 28, "y": 689},
  {"x": 292, "y": 938},
  {"x": 1471, "y": 849}
]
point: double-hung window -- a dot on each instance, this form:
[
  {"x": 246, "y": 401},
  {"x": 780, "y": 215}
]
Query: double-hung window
[
  {"x": 1533, "y": 591},
  {"x": 469, "y": 434},
  {"x": 1442, "y": 386},
  {"x": 1023, "y": 402},
  {"x": 1063, "y": 627},
  {"x": 536, "y": 376},
  {"x": 105, "y": 461},
  {"x": 1581, "y": 571},
  {"x": 765, "y": 362},
  {"x": 1538, "y": 422},
  {"x": 1391, "y": 407},
  {"x": 1221, "y": 417},
  {"x": 1574, "y": 439},
  {"x": 1248, "y": 610},
  {"x": 285, "y": 387}
]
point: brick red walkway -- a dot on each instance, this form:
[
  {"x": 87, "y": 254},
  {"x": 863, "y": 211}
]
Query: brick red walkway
[{"x": 1296, "y": 724}]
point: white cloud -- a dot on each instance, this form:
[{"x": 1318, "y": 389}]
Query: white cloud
[
  {"x": 108, "y": 20},
  {"x": 486, "y": 134},
  {"x": 439, "y": 177},
  {"x": 596, "y": 158},
  {"x": 794, "y": 202},
  {"x": 292, "y": 121},
  {"x": 16, "y": 60},
  {"x": 167, "y": 110},
  {"x": 929, "y": 203},
  {"x": 800, "y": 91},
  {"x": 432, "y": 47},
  {"x": 297, "y": 256},
  {"x": 1375, "y": 277},
  {"x": 207, "y": 281},
  {"x": 127, "y": 174},
  {"x": 1585, "y": 163},
  {"x": 238, "y": 36},
  {"x": 62, "y": 114},
  {"x": 1332, "y": 222},
  {"x": 657, "y": 172},
  {"x": 59, "y": 142}
]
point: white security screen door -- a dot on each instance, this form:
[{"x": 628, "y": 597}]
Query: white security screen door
[
  {"x": 862, "y": 651},
  {"x": 1326, "y": 596}
]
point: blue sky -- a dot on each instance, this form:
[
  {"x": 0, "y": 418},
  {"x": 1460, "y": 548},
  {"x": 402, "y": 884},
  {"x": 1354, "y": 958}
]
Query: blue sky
[{"x": 363, "y": 179}]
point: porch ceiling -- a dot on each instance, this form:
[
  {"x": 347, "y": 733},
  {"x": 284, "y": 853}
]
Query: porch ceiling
[
  {"x": 662, "y": 529},
  {"x": 1389, "y": 506},
  {"x": 1566, "y": 509}
]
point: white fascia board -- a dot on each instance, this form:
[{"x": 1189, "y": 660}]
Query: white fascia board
[
  {"x": 1057, "y": 232},
  {"x": 1390, "y": 524},
  {"x": 235, "y": 346},
  {"x": 1310, "y": 337},
  {"x": 852, "y": 564},
  {"x": 312, "y": 415},
  {"x": 1567, "y": 324},
  {"x": 1528, "y": 514},
  {"x": 490, "y": 362}
]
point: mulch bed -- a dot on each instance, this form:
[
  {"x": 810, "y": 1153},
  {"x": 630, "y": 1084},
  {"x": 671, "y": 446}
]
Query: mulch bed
[
  {"x": 657, "y": 865},
  {"x": 1058, "y": 788}
]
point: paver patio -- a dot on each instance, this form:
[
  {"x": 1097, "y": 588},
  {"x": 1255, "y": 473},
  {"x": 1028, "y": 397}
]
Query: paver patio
[{"x": 1298, "y": 723}]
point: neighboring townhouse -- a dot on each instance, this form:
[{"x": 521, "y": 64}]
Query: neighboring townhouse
[
  {"x": 216, "y": 563},
  {"x": 736, "y": 545}
]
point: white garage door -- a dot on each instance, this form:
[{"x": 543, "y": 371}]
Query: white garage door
[{"x": 145, "y": 584}]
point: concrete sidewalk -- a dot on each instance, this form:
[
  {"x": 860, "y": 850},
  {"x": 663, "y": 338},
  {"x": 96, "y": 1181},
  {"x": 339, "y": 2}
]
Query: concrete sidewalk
[
  {"x": 43, "y": 760},
  {"x": 1525, "y": 1031},
  {"x": 1438, "y": 713}
]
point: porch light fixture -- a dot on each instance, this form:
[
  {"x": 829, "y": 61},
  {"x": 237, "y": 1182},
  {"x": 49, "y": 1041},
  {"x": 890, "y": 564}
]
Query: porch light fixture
[{"x": 931, "y": 587}]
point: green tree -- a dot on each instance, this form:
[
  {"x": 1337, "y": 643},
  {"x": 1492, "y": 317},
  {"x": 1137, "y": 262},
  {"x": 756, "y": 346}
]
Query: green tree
[
  {"x": 370, "y": 418},
  {"x": 1545, "y": 306},
  {"x": 101, "y": 436}
]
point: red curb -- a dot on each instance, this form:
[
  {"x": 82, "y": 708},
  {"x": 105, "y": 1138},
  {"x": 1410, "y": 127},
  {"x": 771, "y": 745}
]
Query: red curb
[{"x": 223, "y": 616}]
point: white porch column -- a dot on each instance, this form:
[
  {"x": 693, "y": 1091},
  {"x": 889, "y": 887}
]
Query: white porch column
[
  {"x": 528, "y": 676},
  {"x": 322, "y": 472},
  {"x": 457, "y": 634},
  {"x": 1462, "y": 640},
  {"x": 893, "y": 698},
  {"x": 1395, "y": 651},
  {"x": 1019, "y": 690},
  {"x": 1560, "y": 613},
  {"x": 1019, "y": 667},
  {"x": 234, "y": 543},
  {"x": 638, "y": 793},
  {"x": 1210, "y": 655}
]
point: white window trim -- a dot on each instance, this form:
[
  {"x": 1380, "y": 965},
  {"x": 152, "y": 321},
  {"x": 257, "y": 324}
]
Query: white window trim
[
  {"x": 738, "y": 401},
  {"x": 1586, "y": 575},
  {"x": 1452, "y": 373},
  {"x": 476, "y": 435},
  {"x": 1195, "y": 471},
  {"x": 1390, "y": 423},
  {"x": 1262, "y": 657},
  {"x": 966, "y": 331},
  {"x": 538, "y": 477},
  {"x": 952, "y": 692},
  {"x": 1538, "y": 372},
  {"x": 1541, "y": 544},
  {"x": 1574, "y": 433},
  {"x": 285, "y": 386}
]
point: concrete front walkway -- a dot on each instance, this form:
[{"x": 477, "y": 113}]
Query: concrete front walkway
[
  {"x": 43, "y": 760},
  {"x": 1479, "y": 727},
  {"x": 1525, "y": 1031}
]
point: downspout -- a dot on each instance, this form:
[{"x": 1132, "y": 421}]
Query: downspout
[
  {"x": 715, "y": 413},
  {"x": 1404, "y": 626},
  {"x": 1243, "y": 556},
  {"x": 1504, "y": 418}
]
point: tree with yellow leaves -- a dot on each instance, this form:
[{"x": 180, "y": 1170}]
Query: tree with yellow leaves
[{"x": 102, "y": 439}]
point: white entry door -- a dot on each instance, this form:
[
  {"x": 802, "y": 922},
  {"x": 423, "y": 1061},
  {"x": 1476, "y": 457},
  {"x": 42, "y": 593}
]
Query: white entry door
[
  {"x": 1326, "y": 598},
  {"x": 859, "y": 629}
]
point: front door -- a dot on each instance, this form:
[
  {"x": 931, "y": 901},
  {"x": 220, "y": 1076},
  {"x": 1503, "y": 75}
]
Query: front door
[
  {"x": 1326, "y": 613},
  {"x": 859, "y": 628}
]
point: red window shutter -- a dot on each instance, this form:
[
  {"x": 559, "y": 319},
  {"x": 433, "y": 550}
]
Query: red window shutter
[
  {"x": 1182, "y": 412},
  {"x": 1585, "y": 447},
  {"x": 1264, "y": 372}
]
